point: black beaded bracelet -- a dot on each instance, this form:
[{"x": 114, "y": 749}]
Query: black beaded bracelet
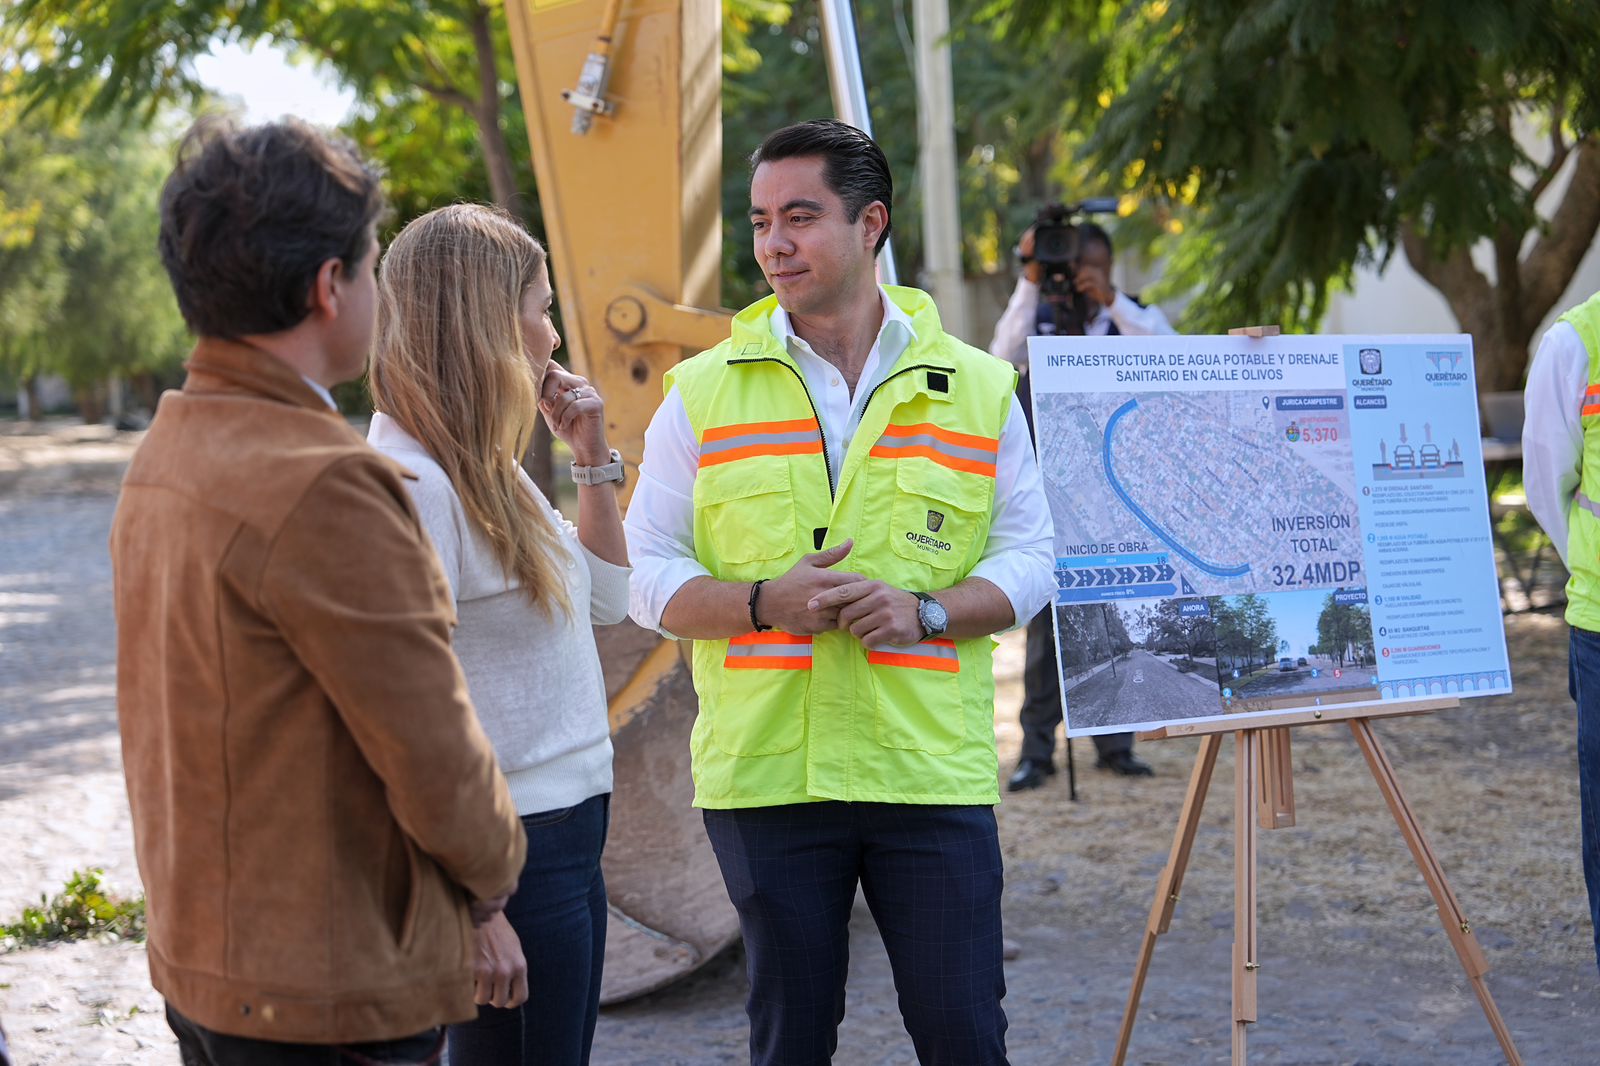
[{"x": 755, "y": 590}]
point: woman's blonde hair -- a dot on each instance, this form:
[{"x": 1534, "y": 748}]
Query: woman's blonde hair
[{"x": 448, "y": 366}]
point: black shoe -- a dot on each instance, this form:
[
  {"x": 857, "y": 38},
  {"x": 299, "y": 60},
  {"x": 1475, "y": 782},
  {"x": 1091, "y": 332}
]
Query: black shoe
[
  {"x": 1125, "y": 763},
  {"x": 1030, "y": 773}
]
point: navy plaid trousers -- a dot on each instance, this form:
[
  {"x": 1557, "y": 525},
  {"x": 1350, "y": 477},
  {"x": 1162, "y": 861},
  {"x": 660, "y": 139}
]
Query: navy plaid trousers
[{"x": 932, "y": 878}]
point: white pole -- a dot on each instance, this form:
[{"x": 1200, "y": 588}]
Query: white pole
[
  {"x": 850, "y": 92},
  {"x": 941, "y": 205}
]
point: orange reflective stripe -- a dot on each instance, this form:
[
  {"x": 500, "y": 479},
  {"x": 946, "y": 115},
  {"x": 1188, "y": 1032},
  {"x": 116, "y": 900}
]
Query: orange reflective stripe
[
  {"x": 958, "y": 451},
  {"x": 724, "y": 432},
  {"x": 768, "y": 651},
  {"x": 766, "y": 662},
  {"x": 938, "y": 654},
  {"x": 964, "y": 440},
  {"x": 732, "y": 454},
  {"x": 724, "y": 444},
  {"x": 964, "y": 465},
  {"x": 770, "y": 636}
]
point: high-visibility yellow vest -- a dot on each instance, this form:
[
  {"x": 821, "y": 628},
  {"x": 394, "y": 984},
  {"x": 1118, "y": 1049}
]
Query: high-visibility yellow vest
[
  {"x": 1583, "y": 518},
  {"x": 788, "y": 719}
]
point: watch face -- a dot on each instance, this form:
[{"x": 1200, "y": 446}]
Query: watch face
[{"x": 933, "y": 616}]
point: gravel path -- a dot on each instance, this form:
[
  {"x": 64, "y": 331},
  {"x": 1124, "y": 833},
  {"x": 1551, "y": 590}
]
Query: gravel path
[{"x": 1355, "y": 966}]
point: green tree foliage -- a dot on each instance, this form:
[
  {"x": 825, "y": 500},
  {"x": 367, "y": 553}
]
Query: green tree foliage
[
  {"x": 82, "y": 293},
  {"x": 1082, "y": 639},
  {"x": 429, "y": 76},
  {"x": 1116, "y": 630},
  {"x": 138, "y": 55},
  {"x": 437, "y": 101},
  {"x": 1170, "y": 630},
  {"x": 1245, "y": 631},
  {"x": 1344, "y": 632},
  {"x": 1091, "y": 634},
  {"x": 1315, "y": 136}
]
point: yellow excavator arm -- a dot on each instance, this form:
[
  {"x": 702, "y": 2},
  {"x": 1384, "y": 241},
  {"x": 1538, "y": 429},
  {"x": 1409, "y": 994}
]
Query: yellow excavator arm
[{"x": 624, "y": 118}]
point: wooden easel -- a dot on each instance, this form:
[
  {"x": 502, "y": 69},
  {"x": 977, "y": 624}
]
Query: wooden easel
[
  {"x": 1264, "y": 787},
  {"x": 1264, "y": 794}
]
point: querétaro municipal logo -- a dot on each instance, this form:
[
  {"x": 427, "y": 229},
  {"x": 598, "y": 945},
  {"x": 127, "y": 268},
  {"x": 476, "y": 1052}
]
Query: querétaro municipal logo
[
  {"x": 1371, "y": 361},
  {"x": 932, "y": 545},
  {"x": 1443, "y": 373}
]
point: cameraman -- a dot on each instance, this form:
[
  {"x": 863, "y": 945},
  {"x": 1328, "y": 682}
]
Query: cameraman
[
  {"x": 1089, "y": 298},
  {"x": 1106, "y": 312}
]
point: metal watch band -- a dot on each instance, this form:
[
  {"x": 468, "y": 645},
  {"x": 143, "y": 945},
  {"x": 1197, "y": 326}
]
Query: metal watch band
[{"x": 599, "y": 475}]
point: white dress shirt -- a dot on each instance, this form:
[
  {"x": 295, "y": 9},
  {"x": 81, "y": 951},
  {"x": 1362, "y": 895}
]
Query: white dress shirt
[
  {"x": 1018, "y": 558},
  {"x": 321, "y": 390},
  {"x": 1552, "y": 429},
  {"x": 1020, "y": 319}
]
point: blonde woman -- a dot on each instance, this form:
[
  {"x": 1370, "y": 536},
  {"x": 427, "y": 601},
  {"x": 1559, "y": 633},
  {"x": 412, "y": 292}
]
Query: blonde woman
[{"x": 461, "y": 369}]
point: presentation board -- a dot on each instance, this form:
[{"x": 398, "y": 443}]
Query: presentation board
[{"x": 1246, "y": 525}]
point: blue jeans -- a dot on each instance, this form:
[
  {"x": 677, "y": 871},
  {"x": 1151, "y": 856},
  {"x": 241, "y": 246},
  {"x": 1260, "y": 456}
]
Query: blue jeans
[
  {"x": 1583, "y": 678},
  {"x": 559, "y": 914},
  {"x": 932, "y": 878}
]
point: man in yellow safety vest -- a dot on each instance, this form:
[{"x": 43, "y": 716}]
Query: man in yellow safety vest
[
  {"x": 1561, "y": 473},
  {"x": 839, "y": 505}
]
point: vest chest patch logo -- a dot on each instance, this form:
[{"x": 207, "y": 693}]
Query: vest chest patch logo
[{"x": 935, "y": 520}]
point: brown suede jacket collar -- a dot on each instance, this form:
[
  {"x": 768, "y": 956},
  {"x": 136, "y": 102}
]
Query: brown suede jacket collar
[{"x": 221, "y": 365}]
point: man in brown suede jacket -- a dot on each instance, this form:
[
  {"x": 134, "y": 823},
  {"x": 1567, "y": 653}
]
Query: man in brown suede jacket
[{"x": 318, "y": 817}]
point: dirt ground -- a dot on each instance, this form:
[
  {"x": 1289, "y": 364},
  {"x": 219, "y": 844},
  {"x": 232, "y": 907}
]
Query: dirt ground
[{"x": 1355, "y": 966}]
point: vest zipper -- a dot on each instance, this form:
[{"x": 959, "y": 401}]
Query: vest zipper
[{"x": 821, "y": 433}]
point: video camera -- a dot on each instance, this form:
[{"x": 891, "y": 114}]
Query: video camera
[{"x": 1055, "y": 249}]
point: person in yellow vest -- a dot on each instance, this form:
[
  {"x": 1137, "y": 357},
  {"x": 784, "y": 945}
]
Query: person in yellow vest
[
  {"x": 1561, "y": 473},
  {"x": 839, "y": 505}
]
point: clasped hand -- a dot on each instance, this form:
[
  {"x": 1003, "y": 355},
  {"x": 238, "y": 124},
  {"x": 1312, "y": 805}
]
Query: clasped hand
[
  {"x": 576, "y": 415},
  {"x": 814, "y": 598}
]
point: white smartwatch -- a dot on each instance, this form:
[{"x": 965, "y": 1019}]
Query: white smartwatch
[{"x": 599, "y": 475}]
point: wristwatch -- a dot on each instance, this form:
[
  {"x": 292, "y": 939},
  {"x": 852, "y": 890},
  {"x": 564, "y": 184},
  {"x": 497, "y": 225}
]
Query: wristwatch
[
  {"x": 599, "y": 475},
  {"x": 931, "y": 613}
]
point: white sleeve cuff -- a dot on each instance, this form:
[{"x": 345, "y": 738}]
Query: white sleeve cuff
[
  {"x": 655, "y": 581},
  {"x": 608, "y": 589},
  {"x": 1025, "y": 575}
]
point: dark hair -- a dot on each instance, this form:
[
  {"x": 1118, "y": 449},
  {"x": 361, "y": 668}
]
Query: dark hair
[
  {"x": 248, "y": 216},
  {"x": 853, "y": 164},
  {"x": 1088, "y": 231}
]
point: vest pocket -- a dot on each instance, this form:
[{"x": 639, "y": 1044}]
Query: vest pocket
[
  {"x": 918, "y": 696},
  {"x": 748, "y": 509},
  {"x": 764, "y": 680},
  {"x": 936, "y": 513}
]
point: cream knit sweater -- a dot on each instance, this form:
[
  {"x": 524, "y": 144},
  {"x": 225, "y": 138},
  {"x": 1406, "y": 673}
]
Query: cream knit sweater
[{"x": 535, "y": 681}]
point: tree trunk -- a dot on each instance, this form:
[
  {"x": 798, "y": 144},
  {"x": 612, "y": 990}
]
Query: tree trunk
[
  {"x": 1502, "y": 316},
  {"x": 496, "y": 153},
  {"x": 503, "y": 187},
  {"x": 28, "y": 399},
  {"x": 91, "y": 405},
  {"x": 146, "y": 392}
]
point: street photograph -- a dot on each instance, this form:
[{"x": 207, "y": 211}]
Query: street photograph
[
  {"x": 1135, "y": 664},
  {"x": 1294, "y": 649}
]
